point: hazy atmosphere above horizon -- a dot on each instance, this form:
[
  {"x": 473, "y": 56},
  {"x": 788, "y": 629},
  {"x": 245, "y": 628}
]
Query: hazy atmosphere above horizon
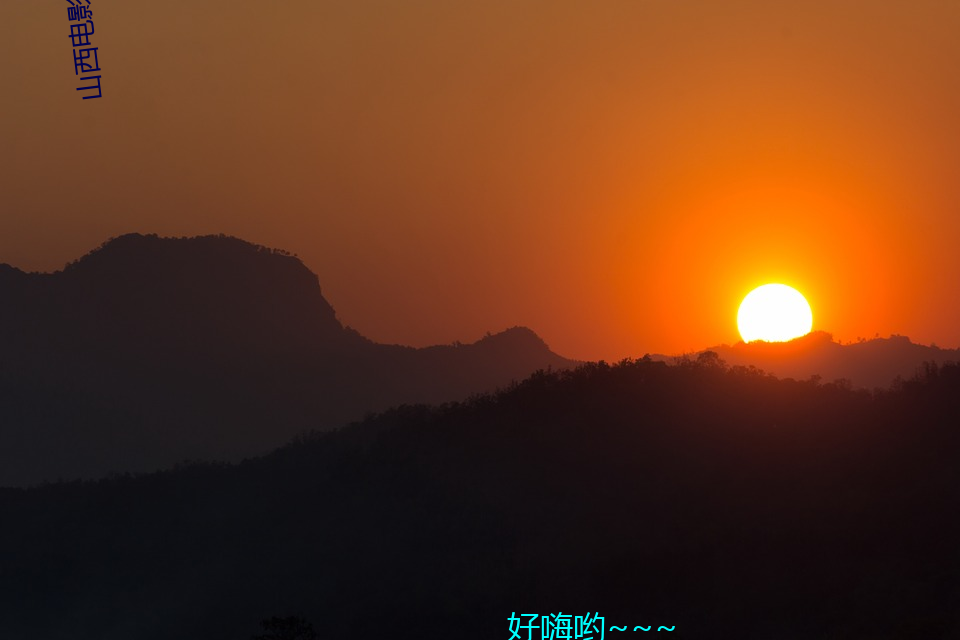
[{"x": 616, "y": 176}]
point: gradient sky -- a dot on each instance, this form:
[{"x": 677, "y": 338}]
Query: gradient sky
[{"x": 616, "y": 175}]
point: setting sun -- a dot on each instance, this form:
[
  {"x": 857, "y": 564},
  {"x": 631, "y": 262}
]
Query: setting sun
[{"x": 774, "y": 313}]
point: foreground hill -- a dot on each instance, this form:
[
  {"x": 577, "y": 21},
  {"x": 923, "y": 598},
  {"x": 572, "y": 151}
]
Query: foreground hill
[
  {"x": 152, "y": 350},
  {"x": 721, "y": 502}
]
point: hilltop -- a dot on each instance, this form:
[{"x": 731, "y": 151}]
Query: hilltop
[{"x": 149, "y": 351}]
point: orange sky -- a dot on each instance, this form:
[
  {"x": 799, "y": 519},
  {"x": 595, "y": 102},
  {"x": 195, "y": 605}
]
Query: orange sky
[{"x": 616, "y": 175}]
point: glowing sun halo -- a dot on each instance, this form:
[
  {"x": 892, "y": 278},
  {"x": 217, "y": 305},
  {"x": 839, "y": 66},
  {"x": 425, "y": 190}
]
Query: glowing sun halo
[{"x": 774, "y": 313}]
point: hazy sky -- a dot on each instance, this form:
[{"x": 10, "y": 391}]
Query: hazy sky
[{"x": 615, "y": 174}]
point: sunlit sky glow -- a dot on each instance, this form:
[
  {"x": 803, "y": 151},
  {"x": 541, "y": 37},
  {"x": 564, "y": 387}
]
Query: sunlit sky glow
[{"x": 616, "y": 175}]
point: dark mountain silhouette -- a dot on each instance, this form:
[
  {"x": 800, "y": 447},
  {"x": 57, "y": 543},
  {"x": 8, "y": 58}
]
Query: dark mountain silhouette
[
  {"x": 869, "y": 364},
  {"x": 716, "y": 500},
  {"x": 150, "y": 350}
]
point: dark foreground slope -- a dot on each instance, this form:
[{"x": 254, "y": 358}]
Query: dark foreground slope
[
  {"x": 719, "y": 501},
  {"x": 149, "y": 351}
]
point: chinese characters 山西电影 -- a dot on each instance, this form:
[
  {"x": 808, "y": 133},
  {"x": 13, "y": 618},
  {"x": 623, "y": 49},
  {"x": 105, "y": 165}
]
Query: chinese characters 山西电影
[{"x": 84, "y": 54}]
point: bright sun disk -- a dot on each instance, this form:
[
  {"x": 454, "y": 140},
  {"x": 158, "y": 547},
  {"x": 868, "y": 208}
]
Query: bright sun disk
[{"x": 774, "y": 313}]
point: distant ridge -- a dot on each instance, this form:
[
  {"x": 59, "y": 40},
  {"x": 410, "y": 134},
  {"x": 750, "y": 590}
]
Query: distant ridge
[
  {"x": 870, "y": 364},
  {"x": 151, "y": 350}
]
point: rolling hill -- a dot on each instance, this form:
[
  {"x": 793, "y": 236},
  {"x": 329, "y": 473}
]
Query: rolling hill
[{"x": 715, "y": 500}]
